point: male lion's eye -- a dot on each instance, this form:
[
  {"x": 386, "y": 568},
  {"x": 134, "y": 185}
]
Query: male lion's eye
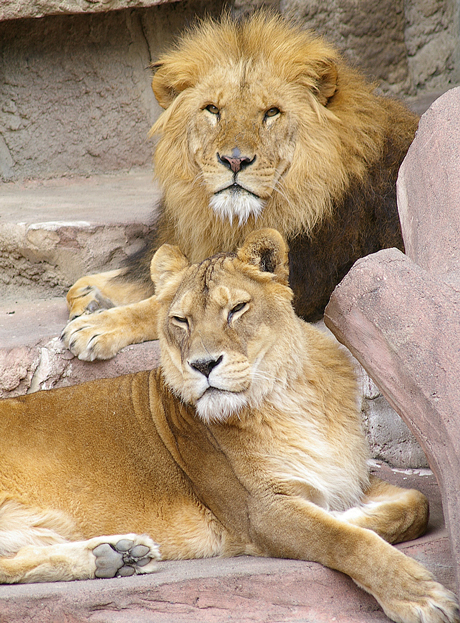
[
  {"x": 272, "y": 112},
  {"x": 212, "y": 109}
]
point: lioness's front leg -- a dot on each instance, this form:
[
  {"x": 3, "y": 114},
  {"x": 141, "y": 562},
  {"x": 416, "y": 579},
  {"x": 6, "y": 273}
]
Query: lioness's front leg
[
  {"x": 407, "y": 592},
  {"x": 100, "y": 557},
  {"x": 102, "y": 334}
]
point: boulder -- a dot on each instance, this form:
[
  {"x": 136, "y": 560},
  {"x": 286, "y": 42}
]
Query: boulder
[{"x": 399, "y": 314}]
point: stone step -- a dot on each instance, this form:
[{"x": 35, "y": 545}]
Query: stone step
[
  {"x": 243, "y": 590},
  {"x": 51, "y": 233},
  {"x": 54, "y": 231}
]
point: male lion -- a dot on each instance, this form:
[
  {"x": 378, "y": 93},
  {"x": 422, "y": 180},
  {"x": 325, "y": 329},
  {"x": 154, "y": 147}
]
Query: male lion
[
  {"x": 264, "y": 126},
  {"x": 247, "y": 440}
]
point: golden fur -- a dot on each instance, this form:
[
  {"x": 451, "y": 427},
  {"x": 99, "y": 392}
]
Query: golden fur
[
  {"x": 264, "y": 126},
  {"x": 247, "y": 440}
]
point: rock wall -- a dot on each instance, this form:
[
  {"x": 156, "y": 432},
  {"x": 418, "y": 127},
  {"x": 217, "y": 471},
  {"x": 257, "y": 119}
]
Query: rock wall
[
  {"x": 408, "y": 46},
  {"x": 75, "y": 95}
]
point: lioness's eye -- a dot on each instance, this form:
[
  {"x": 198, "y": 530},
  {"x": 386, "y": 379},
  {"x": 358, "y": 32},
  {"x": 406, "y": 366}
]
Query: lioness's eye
[
  {"x": 272, "y": 112},
  {"x": 212, "y": 109},
  {"x": 239, "y": 307},
  {"x": 180, "y": 321}
]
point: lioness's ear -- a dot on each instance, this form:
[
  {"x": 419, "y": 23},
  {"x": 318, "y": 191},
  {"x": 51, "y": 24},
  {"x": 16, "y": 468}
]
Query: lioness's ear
[
  {"x": 170, "y": 79},
  {"x": 267, "y": 250},
  {"x": 167, "y": 261}
]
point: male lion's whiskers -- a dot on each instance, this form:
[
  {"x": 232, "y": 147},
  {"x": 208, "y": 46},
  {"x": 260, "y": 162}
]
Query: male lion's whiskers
[
  {"x": 279, "y": 188},
  {"x": 263, "y": 376}
]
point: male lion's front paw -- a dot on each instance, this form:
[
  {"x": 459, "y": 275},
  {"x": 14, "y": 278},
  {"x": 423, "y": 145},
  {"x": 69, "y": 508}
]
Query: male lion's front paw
[
  {"x": 95, "y": 336},
  {"x": 86, "y": 299},
  {"x": 126, "y": 556}
]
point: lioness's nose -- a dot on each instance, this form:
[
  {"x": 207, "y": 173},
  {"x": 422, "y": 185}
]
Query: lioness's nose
[
  {"x": 235, "y": 164},
  {"x": 206, "y": 366}
]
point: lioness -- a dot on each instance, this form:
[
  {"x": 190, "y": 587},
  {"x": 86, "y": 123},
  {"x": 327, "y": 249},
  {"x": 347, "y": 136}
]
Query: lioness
[
  {"x": 247, "y": 440},
  {"x": 264, "y": 126}
]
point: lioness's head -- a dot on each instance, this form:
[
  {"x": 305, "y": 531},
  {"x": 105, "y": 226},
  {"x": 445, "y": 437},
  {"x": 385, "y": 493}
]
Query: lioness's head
[
  {"x": 256, "y": 117},
  {"x": 227, "y": 328}
]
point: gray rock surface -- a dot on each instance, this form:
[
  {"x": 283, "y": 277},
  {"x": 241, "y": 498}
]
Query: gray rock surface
[
  {"x": 75, "y": 94},
  {"x": 16, "y": 9}
]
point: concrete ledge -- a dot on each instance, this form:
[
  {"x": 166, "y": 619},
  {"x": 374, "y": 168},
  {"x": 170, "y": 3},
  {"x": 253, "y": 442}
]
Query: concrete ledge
[
  {"x": 52, "y": 232},
  {"x": 15, "y": 9}
]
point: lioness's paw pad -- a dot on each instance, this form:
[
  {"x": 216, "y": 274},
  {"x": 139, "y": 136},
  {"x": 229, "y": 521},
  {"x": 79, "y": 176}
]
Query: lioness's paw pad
[{"x": 125, "y": 557}]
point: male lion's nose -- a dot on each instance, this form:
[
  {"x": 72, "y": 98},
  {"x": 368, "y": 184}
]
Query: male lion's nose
[
  {"x": 206, "y": 366},
  {"x": 235, "y": 163}
]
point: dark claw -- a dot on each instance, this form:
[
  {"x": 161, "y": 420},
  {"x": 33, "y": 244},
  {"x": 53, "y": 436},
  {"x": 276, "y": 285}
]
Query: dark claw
[{"x": 93, "y": 338}]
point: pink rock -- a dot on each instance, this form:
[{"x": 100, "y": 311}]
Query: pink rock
[{"x": 400, "y": 314}]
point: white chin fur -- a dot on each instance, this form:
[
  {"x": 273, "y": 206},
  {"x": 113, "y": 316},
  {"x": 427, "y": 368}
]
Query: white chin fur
[
  {"x": 217, "y": 406},
  {"x": 239, "y": 204}
]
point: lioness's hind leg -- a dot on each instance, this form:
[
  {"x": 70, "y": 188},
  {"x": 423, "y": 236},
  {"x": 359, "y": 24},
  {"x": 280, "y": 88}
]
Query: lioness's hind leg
[
  {"x": 394, "y": 513},
  {"x": 100, "y": 557}
]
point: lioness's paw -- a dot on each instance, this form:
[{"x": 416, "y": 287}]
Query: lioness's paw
[
  {"x": 432, "y": 604},
  {"x": 126, "y": 556},
  {"x": 94, "y": 336}
]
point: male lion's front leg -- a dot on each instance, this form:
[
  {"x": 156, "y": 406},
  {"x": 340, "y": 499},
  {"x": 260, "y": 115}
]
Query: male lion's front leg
[
  {"x": 102, "y": 334},
  {"x": 407, "y": 592},
  {"x": 95, "y": 293},
  {"x": 100, "y": 557}
]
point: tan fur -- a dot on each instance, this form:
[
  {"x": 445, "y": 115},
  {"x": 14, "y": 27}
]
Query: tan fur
[
  {"x": 315, "y": 136},
  {"x": 247, "y": 440}
]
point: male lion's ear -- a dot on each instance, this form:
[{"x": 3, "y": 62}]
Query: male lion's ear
[
  {"x": 320, "y": 78},
  {"x": 167, "y": 261},
  {"x": 327, "y": 83},
  {"x": 267, "y": 250},
  {"x": 170, "y": 79}
]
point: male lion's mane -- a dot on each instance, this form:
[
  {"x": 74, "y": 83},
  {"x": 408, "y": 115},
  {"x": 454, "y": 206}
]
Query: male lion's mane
[{"x": 335, "y": 202}]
